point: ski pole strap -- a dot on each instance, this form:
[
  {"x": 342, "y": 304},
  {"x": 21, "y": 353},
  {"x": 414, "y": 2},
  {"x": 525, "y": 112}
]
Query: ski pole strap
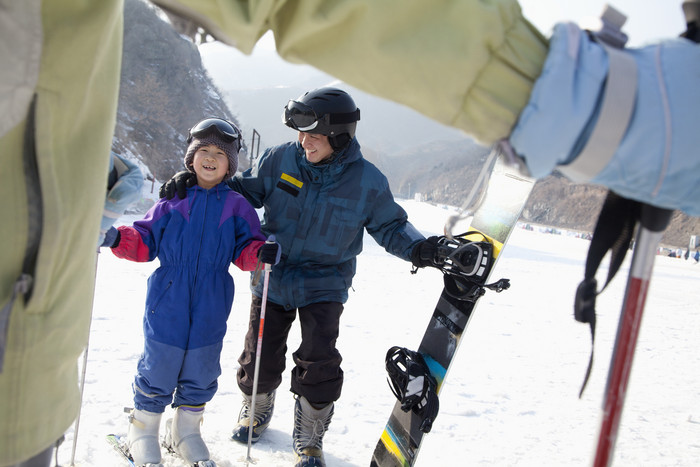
[
  {"x": 413, "y": 385},
  {"x": 613, "y": 232}
]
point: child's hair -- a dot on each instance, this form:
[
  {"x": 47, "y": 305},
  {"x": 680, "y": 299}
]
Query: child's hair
[{"x": 231, "y": 150}]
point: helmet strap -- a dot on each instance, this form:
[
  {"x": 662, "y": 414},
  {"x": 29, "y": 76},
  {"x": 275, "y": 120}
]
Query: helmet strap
[{"x": 339, "y": 142}]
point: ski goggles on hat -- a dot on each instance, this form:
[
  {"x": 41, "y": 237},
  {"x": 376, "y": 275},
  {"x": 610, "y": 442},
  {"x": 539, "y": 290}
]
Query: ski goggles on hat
[
  {"x": 227, "y": 131},
  {"x": 300, "y": 116}
]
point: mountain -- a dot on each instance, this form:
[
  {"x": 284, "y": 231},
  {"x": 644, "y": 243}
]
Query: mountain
[
  {"x": 164, "y": 91},
  {"x": 443, "y": 172}
]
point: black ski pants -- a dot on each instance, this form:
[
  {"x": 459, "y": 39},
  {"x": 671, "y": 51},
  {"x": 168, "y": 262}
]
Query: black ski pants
[{"x": 317, "y": 374}]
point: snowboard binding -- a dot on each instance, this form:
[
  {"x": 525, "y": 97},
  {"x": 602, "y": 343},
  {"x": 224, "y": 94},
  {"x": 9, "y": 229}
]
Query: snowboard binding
[
  {"x": 413, "y": 385},
  {"x": 466, "y": 263}
]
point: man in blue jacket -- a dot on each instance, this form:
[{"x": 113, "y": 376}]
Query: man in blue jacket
[{"x": 319, "y": 195}]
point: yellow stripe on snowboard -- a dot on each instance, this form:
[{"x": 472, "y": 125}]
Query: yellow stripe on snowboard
[
  {"x": 476, "y": 236},
  {"x": 393, "y": 449}
]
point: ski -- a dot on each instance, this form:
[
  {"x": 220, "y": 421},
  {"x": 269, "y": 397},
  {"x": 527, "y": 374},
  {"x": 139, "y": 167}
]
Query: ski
[
  {"x": 469, "y": 260},
  {"x": 170, "y": 450},
  {"x": 119, "y": 445}
]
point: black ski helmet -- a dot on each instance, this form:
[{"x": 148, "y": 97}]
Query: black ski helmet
[{"x": 326, "y": 111}]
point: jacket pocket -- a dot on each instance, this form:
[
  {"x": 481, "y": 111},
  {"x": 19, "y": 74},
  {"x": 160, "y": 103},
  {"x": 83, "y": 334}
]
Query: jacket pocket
[
  {"x": 153, "y": 305},
  {"x": 345, "y": 225}
]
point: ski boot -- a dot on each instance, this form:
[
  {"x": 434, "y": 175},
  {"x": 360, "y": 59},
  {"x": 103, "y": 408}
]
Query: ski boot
[
  {"x": 142, "y": 438},
  {"x": 182, "y": 436},
  {"x": 310, "y": 424},
  {"x": 264, "y": 406}
]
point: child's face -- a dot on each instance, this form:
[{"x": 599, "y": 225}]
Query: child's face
[{"x": 210, "y": 163}]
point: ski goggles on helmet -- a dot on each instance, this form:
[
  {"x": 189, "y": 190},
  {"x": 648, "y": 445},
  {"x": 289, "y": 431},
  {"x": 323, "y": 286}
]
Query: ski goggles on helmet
[
  {"x": 300, "y": 116},
  {"x": 226, "y": 130}
]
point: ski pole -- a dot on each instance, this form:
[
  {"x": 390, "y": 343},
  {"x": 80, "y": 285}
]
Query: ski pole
[
  {"x": 652, "y": 224},
  {"x": 258, "y": 350},
  {"x": 82, "y": 390},
  {"x": 82, "y": 375}
]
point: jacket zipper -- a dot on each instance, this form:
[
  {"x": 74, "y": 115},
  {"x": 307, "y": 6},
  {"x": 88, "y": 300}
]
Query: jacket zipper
[
  {"x": 23, "y": 286},
  {"x": 201, "y": 239}
]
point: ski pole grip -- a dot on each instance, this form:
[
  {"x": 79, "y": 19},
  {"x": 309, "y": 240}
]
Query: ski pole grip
[
  {"x": 271, "y": 241},
  {"x": 654, "y": 218}
]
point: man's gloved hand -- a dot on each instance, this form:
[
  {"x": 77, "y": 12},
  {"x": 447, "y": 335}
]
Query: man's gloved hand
[
  {"x": 270, "y": 252},
  {"x": 424, "y": 252},
  {"x": 112, "y": 238},
  {"x": 179, "y": 184}
]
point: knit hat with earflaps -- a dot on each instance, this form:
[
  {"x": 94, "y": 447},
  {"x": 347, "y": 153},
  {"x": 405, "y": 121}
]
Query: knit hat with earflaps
[{"x": 231, "y": 150}]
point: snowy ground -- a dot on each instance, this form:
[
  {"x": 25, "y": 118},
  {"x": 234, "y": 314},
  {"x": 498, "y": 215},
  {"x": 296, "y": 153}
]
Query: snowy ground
[{"x": 510, "y": 397}]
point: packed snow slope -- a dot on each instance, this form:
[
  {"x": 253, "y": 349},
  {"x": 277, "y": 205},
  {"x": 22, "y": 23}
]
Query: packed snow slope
[{"x": 511, "y": 395}]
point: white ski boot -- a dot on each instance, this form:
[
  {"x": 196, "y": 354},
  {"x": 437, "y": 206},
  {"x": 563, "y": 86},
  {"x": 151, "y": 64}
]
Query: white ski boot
[
  {"x": 182, "y": 436},
  {"x": 142, "y": 438},
  {"x": 310, "y": 424}
]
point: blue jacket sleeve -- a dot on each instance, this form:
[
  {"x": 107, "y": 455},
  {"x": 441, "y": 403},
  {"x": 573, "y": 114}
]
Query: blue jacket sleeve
[
  {"x": 389, "y": 226},
  {"x": 125, "y": 191},
  {"x": 254, "y": 184}
]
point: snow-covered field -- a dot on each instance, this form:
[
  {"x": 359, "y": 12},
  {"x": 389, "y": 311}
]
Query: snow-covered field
[{"x": 510, "y": 397}]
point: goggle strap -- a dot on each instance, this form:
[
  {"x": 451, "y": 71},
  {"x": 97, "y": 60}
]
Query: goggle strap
[{"x": 348, "y": 117}]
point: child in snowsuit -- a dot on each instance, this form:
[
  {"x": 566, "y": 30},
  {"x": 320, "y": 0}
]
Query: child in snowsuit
[{"x": 190, "y": 295}]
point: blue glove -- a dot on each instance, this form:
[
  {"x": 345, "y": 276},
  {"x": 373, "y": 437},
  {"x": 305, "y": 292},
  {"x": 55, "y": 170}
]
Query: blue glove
[
  {"x": 112, "y": 238},
  {"x": 270, "y": 252},
  {"x": 656, "y": 161}
]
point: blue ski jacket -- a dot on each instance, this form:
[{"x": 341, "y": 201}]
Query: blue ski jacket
[{"x": 318, "y": 213}]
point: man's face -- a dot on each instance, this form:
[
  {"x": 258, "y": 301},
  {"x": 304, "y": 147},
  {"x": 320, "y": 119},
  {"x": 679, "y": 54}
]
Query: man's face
[{"x": 317, "y": 147}]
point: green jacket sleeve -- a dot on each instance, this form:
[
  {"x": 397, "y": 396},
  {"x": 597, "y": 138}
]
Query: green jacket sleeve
[{"x": 468, "y": 64}]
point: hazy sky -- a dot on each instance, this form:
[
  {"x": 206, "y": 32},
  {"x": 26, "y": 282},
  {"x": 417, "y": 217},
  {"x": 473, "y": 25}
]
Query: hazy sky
[{"x": 647, "y": 20}]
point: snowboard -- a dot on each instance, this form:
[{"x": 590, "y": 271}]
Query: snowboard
[{"x": 505, "y": 195}]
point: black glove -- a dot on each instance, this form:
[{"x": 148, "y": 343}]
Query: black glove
[
  {"x": 112, "y": 238},
  {"x": 179, "y": 184},
  {"x": 270, "y": 253},
  {"x": 424, "y": 253}
]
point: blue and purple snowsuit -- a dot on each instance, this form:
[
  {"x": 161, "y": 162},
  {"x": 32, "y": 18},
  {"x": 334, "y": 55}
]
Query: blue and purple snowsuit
[{"x": 190, "y": 295}]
